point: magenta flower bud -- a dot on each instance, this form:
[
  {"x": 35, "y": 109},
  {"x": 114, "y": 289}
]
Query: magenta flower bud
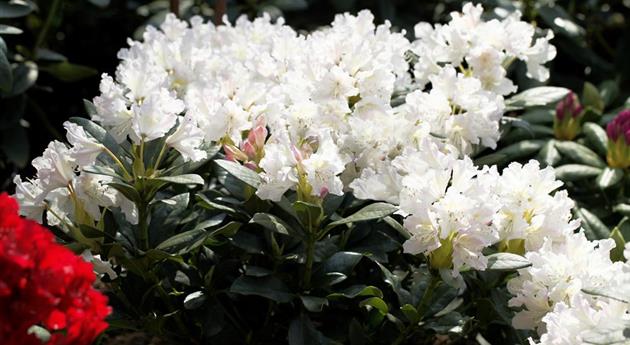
[
  {"x": 569, "y": 107},
  {"x": 568, "y": 120},
  {"x": 618, "y": 131},
  {"x": 323, "y": 192},
  {"x": 620, "y": 125}
]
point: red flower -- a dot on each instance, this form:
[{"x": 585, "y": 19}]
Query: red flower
[{"x": 44, "y": 284}]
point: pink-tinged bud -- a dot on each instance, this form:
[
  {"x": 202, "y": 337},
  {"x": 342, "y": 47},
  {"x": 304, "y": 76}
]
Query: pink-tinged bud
[
  {"x": 232, "y": 153},
  {"x": 296, "y": 153},
  {"x": 251, "y": 166},
  {"x": 568, "y": 120},
  {"x": 257, "y": 136},
  {"x": 323, "y": 192},
  {"x": 618, "y": 131},
  {"x": 249, "y": 150}
]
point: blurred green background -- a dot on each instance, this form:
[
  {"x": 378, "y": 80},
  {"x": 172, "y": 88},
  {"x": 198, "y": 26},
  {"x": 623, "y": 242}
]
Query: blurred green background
[{"x": 52, "y": 52}]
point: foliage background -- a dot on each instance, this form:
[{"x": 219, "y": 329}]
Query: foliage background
[{"x": 70, "y": 43}]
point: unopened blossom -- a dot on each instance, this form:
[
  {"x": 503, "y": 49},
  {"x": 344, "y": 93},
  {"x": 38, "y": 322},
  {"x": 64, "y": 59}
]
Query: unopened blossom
[
  {"x": 618, "y": 131},
  {"x": 568, "y": 119}
]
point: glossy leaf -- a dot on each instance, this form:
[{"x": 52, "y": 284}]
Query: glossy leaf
[
  {"x": 576, "y": 172},
  {"x": 268, "y": 287},
  {"x": 507, "y": 262},
  {"x": 609, "y": 177},
  {"x": 536, "y": 96},
  {"x": 580, "y": 154}
]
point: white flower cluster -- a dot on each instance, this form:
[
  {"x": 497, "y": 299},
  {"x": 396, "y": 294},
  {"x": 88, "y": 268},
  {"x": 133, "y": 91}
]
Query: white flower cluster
[
  {"x": 457, "y": 210},
  {"x": 553, "y": 292},
  {"x": 325, "y": 100}
]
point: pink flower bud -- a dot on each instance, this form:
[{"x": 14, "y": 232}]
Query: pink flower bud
[
  {"x": 323, "y": 192},
  {"x": 257, "y": 136},
  {"x": 251, "y": 165},
  {"x": 296, "y": 153},
  {"x": 249, "y": 149},
  {"x": 232, "y": 153}
]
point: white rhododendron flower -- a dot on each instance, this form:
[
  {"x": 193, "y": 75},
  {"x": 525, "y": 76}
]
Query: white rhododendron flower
[{"x": 560, "y": 271}]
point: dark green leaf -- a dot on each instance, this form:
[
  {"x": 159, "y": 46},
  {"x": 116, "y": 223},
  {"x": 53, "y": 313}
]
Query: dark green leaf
[
  {"x": 268, "y": 287},
  {"x": 9, "y": 30},
  {"x": 14, "y": 9},
  {"x": 580, "y": 153},
  {"x": 596, "y": 137},
  {"x": 609, "y": 90},
  {"x": 616, "y": 254},
  {"x": 314, "y": 304},
  {"x": 356, "y": 291},
  {"x": 69, "y": 72},
  {"x": 512, "y": 152},
  {"x": 24, "y": 76},
  {"x": 240, "y": 172},
  {"x": 549, "y": 155},
  {"x": 576, "y": 172},
  {"x": 194, "y": 300},
  {"x": 373, "y": 211},
  {"x": 6, "y": 77},
  {"x": 190, "y": 239},
  {"x": 591, "y": 97},
  {"x": 536, "y": 96},
  {"x": 593, "y": 227},
  {"x": 272, "y": 223},
  {"x": 303, "y": 332},
  {"x": 343, "y": 262},
  {"x": 127, "y": 190},
  {"x": 188, "y": 179},
  {"x": 609, "y": 177}
]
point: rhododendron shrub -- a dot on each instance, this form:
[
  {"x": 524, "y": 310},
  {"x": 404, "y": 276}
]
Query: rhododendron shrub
[
  {"x": 246, "y": 183},
  {"x": 46, "y": 293}
]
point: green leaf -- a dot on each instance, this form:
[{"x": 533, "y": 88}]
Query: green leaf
[
  {"x": 127, "y": 190},
  {"x": 580, "y": 153},
  {"x": 536, "y": 96},
  {"x": 314, "y": 304},
  {"x": 609, "y": 90},
  {"x": 14, "y": 9},
  {"x": 48, "y": 55},
  {"x": 411, "y": 313},
  {"x": 549, "y": 155},
  {"x": 560, "y": 21},
  {"x": 506, "y": 262},
  {"x": 356, "y": 291},
  {"x": 6, "y": 77},
  {"x": 303, "y": 332},
  {"x": 616, "y": 254},
  {"x": 187, "y": 179},
  {"x": 512, "y": 152},
  {"x": 268, "y": 287},
  {"x": 593, "y": 227},
  {"x": 272, "y": 223},
  {"x": 9, "y": 30},
  {"x": 240, "y": 172},
  {"x": 576, "y": 172},
  {"x": 596, "y": 137},
  {"x": 289, "y": 5},
  {"x": 194, "y": 300},
  {"x": 24, "y": 76},
  {"x": 373, "y": 211},
  {"x": 592, "y": 98},
  {"x": 310, "y": 215},
  {"x": 190, "y": 240},
  {"x": 343, "y": 262},
  {"x": 377, "y": 303},
  {"x": 15, "y": 144},
  {"x": 539, "y": 116},
  {"x": 69, "y": 72},
  {"x": 609, "y": 177}
]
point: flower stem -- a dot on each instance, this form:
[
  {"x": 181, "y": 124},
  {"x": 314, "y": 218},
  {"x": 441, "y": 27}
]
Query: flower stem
[
  {"x": 159, "y": 158},
  {"x": 111, "y": 154},
  {"x": 420, "y": 308},
  {"x": 310, "y": 253}
]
